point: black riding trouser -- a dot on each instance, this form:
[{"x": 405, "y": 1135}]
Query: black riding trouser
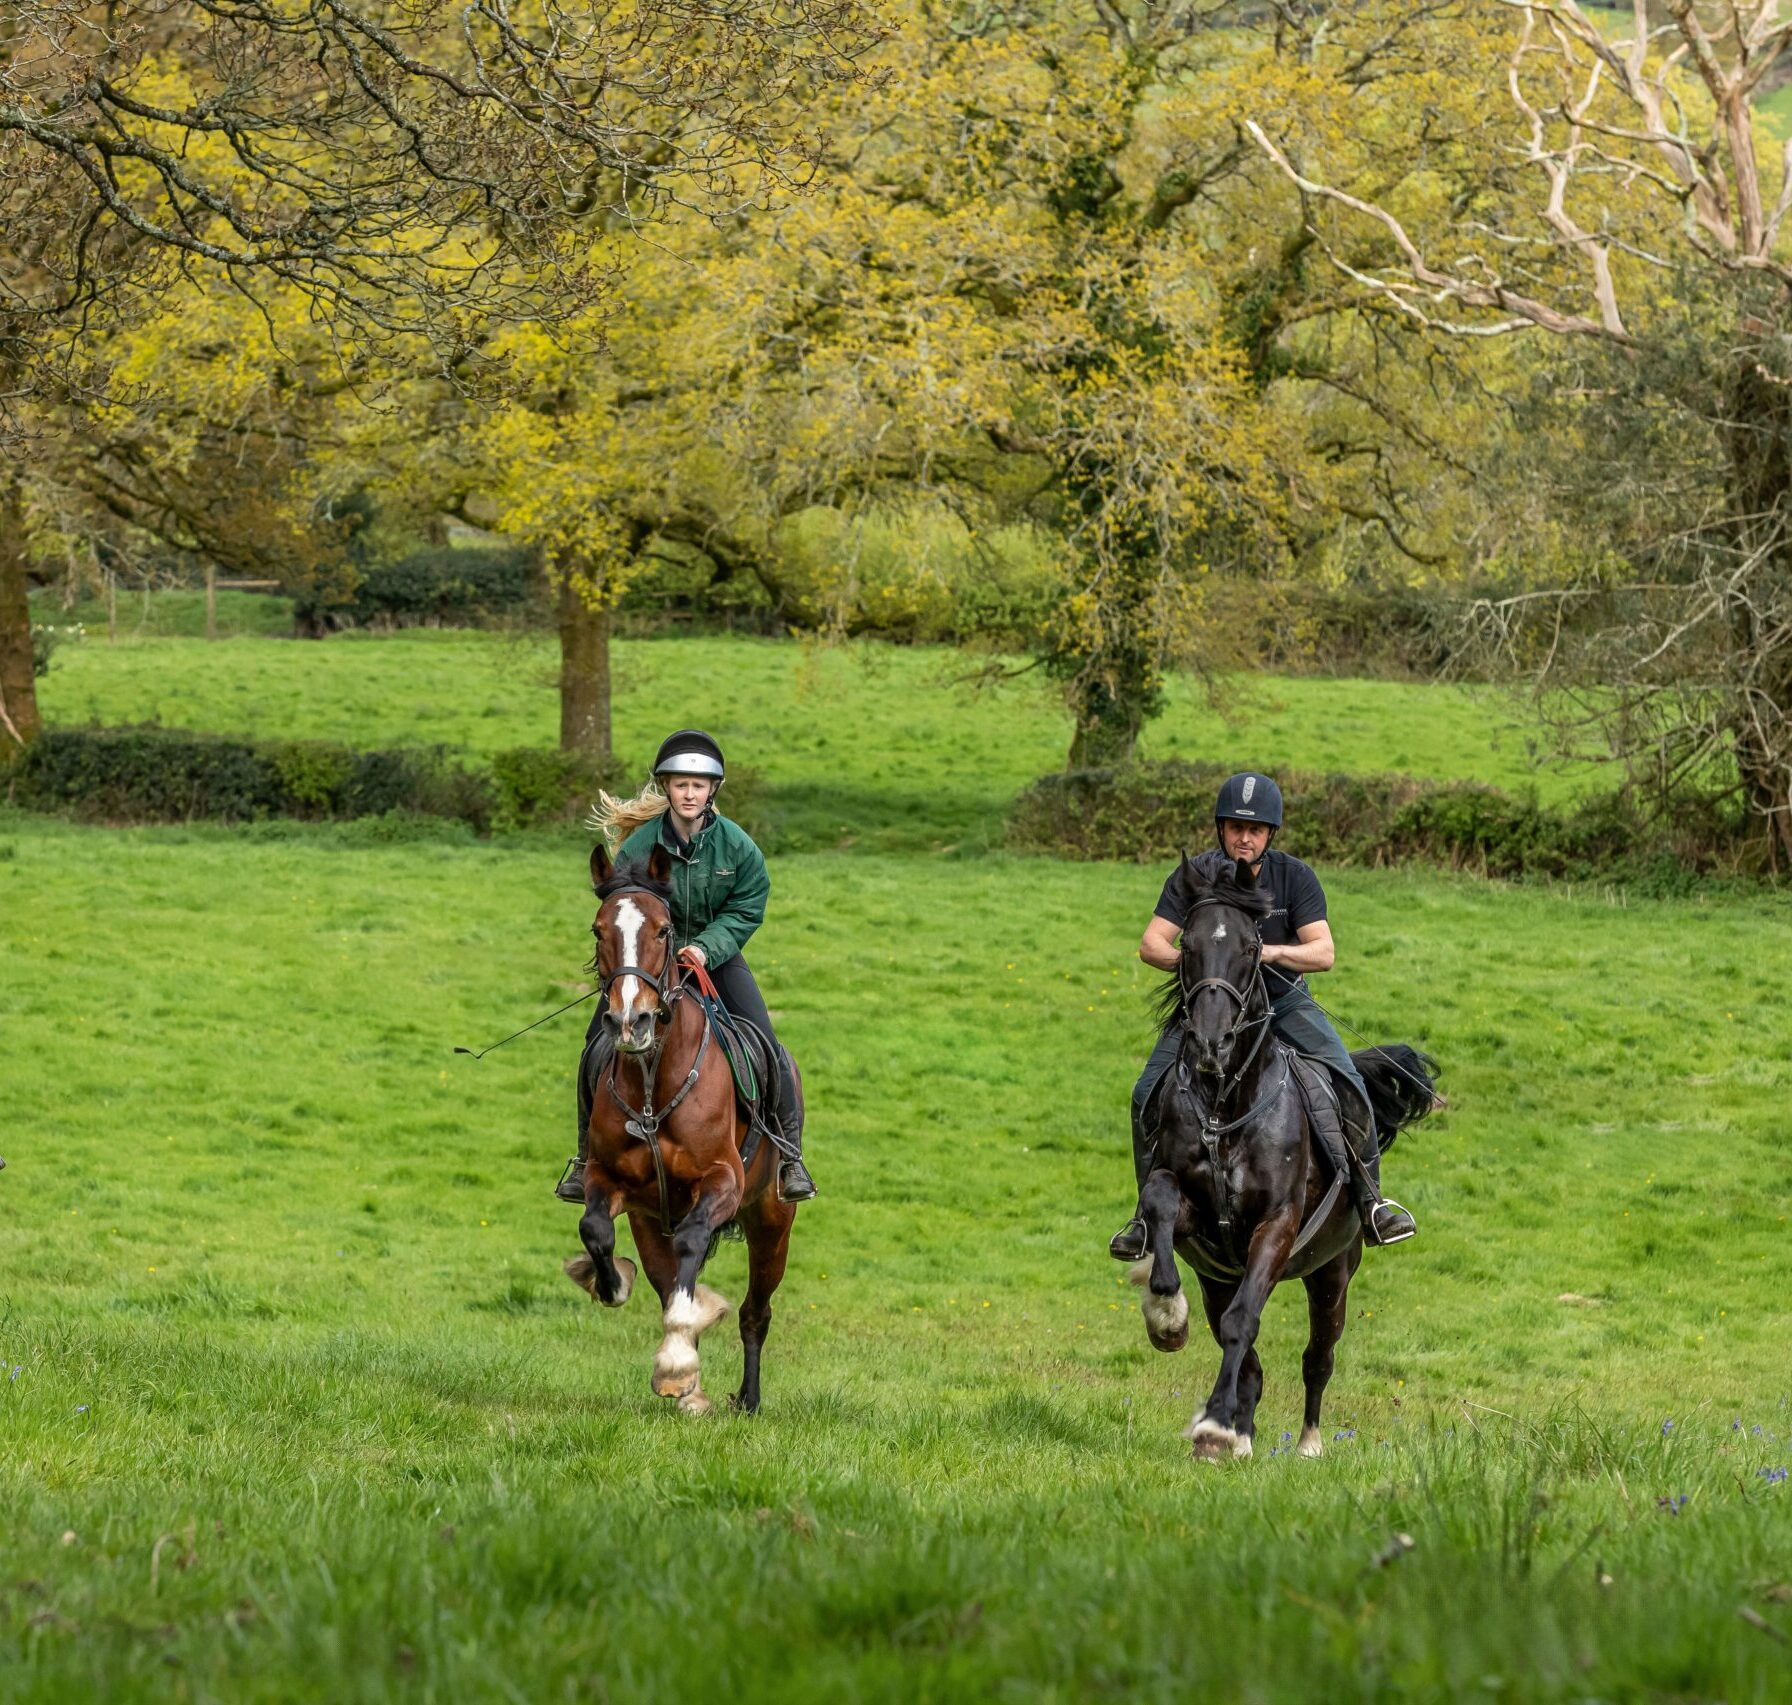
[{"x": 740, "y": 994}]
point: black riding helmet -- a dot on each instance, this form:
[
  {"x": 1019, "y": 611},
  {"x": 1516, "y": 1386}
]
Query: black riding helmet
[
  {"x": 1249, "y": 798},
  {"x": 690, "y": 752}
]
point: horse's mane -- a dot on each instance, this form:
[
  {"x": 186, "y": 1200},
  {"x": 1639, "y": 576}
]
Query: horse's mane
[
  {"x": 632, "y": 873},
  {"x": 616, "y": 819},
  {"x": 1209, "y": 876}
]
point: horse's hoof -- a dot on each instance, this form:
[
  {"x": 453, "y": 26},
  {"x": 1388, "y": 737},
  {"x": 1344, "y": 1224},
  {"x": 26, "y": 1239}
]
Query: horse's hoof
[
  {"x": 1310, "y": 1443},
  {"x": 625, "y": 1282},
  {"x": 693, "y": 1402},
  {"x": 1166, "y": 1320},
  {"x": 674, "y": 1382},
  {"x": 675, "y": 1367},
  {"x": 1211, "y": 1442},
  {"x": 739, "y": 1405}
]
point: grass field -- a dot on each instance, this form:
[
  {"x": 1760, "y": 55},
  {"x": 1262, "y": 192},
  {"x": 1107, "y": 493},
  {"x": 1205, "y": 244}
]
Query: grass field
[
  {"x": 880, "y": 747},
  {"x": 304, "y": 1409}
]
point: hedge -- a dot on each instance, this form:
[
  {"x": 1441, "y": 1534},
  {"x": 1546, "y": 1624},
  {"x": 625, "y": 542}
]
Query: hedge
[
  {"x": 159, "y": 775},
  {"x": 1149, "y": 812},
  {"x": 165, "y": 775},
  {"x": 440, "y": 587}
]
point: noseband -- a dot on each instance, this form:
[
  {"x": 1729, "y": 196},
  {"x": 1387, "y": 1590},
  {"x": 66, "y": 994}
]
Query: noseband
[{"x": 656, "y": 983}]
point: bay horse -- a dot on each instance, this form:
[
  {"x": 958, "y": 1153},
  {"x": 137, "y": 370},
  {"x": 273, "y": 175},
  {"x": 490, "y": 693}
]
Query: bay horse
[
  {"x": 1238, "y": 1189},
  {"x": 665, "y": 1141}
]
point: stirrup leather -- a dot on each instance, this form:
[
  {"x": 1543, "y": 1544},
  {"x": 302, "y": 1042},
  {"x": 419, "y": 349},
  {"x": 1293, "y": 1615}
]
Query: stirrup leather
[{"x": 571, "y": 1187}]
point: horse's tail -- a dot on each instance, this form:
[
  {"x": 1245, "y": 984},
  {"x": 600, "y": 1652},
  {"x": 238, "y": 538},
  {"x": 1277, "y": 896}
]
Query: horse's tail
[{"x": 1402, "y": 1085}]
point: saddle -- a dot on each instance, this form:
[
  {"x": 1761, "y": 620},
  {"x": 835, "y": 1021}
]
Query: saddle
[
  {"x": 757, "y": 1079},
  {"x": 1335, "y": 1104}
]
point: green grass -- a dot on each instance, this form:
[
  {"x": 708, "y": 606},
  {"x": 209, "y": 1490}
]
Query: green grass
[
  {"x": 172, "y": 614},
  {"x": 871, "y": 746},
  {"x": 305, "y": 1410}
]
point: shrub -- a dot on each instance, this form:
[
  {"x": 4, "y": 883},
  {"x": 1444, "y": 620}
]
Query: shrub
[
  {"x": 147, "y": 775},
  {"x": 313, "y": 774},
  {"x": 46, "y": 638},
  {"x": 535, "y": 786},
  {"x": 439, "y": 587},
  {"x": 157, "y": 775},
  {"x": 1150, "y": 812}
]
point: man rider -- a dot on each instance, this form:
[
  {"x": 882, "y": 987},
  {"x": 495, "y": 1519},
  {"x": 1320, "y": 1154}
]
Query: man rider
[{"x": 1297, "y": 941}]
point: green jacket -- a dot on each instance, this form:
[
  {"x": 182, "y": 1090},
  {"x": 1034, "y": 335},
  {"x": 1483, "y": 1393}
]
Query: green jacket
[{"x": 719, "y": 883}]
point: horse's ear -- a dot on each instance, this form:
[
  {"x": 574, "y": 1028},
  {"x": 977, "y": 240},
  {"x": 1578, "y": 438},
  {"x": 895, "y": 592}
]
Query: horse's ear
[
  {"x": 659, "y": 864},
  {"x": 600, "y": 866},
  {"x": 1246, "y": 877}
]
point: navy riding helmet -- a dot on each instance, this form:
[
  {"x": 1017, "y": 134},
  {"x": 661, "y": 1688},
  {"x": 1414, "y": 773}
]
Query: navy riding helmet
[
  {"x": 1249, "y": 798},
  {"x": 690, "y": 752}
]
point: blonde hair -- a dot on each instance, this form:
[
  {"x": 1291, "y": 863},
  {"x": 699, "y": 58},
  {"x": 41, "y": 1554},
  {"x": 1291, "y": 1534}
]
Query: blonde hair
[{"x": 616, "y": 819}]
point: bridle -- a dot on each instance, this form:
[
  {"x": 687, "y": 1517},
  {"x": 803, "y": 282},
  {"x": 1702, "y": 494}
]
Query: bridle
[
  {"x": 670, "y": 975},
  {"x": 643, "y": 1123},
  {"x": 1242, "y": 999},
  {"x": 1213, "y": 1127}
]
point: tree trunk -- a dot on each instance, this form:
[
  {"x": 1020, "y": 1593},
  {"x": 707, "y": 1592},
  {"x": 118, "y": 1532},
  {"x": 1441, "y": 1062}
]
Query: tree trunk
[
  {"x": 1113, "y": 667},
  {"x": 584, "y": 673},
  {"x": 211, "y": 600},
  {"x": 20, "y": 723},
  {"x": 1107, "y": 725},
  {"x": 1758, "y": 603}
]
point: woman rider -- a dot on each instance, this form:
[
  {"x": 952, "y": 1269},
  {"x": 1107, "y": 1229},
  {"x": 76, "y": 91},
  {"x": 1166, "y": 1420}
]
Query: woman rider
[
  {"x": 1297, "y": 940},
  {"x": 719, "y": 890}
]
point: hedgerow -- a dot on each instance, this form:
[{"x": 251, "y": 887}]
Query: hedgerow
[
  {"x": 159, "y": 775},
  {"x": 1146, "y": 812},
  {"x": 441, "y": 587}
]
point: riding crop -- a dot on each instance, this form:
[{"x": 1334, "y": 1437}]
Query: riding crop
[{"x": 480, "y": 1053}]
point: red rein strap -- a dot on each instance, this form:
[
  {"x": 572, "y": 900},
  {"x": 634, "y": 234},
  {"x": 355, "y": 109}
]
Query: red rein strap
[{"x": 705, "y": 986}]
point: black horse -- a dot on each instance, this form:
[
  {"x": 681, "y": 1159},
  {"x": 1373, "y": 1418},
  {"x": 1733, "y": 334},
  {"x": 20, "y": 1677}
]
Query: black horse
[{"x": 1238, "y": 1189}]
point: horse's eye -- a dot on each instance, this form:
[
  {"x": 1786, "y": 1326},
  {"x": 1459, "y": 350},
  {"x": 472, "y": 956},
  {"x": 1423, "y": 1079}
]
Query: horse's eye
[{"x": 665, "y": 930}]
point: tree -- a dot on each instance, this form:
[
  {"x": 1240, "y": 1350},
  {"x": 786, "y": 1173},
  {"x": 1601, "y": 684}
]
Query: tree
[
  {"x": 1640, "y": 219},
  {"x": 418, "y": 172},
  {"x": 1042, "y": 274}
]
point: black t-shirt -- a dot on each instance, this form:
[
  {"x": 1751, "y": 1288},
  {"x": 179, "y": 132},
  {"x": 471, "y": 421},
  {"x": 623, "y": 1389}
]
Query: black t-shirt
[{"x": 1299, "y": 901}]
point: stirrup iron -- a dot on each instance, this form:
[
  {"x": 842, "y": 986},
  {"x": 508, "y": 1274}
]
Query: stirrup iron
[{"x": 1410, "y": 1230}]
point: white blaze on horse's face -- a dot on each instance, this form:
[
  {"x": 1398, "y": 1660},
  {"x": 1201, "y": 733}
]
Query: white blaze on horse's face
[
  {"x": 629, "y": 921},
  {"x": 1219, "y": 933}
]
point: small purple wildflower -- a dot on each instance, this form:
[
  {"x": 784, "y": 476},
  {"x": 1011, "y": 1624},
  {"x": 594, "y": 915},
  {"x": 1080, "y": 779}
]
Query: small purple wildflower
[
  {"x": 1666, "y": 1428},
  {"x": 80, "y": 1408},
  {"x": 1673, "y": 1505},
  {"x": 1344, "y": 1433},
  {"x": 1736, "y": 1425},
  {"x": 15, "y": 1373},
  {"x": 1756, "y": 1429},
  {"x": 1286, "y": 1437},
  {"x": 1773, "y": 1476}
]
